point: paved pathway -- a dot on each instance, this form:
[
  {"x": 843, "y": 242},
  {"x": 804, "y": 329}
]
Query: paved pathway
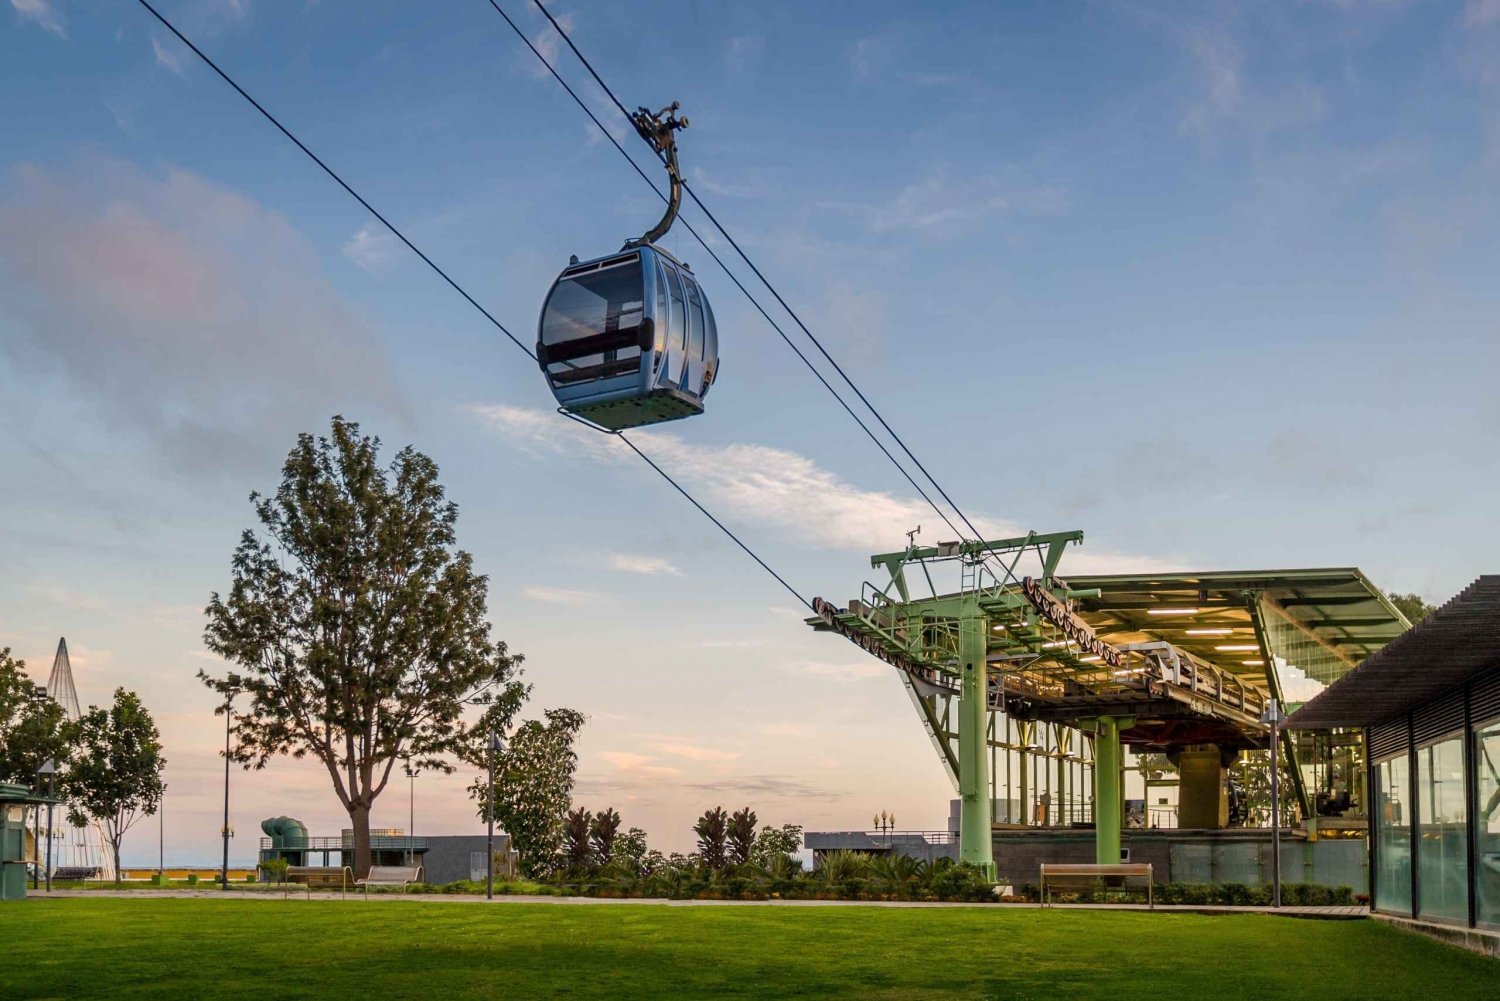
[{"x": 1333, "y": 913}]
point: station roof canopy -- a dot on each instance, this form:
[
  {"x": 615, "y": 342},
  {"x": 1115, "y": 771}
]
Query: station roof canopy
[
  {"x": 1454, "y": 643},
  {"x": 1338, "y": 610}
]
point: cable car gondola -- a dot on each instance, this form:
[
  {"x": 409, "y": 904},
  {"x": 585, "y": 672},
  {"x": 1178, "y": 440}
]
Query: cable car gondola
[{"x": 629, "y": 338}]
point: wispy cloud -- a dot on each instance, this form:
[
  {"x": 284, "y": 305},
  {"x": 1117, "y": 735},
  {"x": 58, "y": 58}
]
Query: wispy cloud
[
  {"x": 627, "y": 563},
  {"x": 693, "y": 752},
  {"x": 165, "y": 57},
  {"x": 774, "y": 487},
  {"x": 172, "y": 305},
  {"x": 558, "y": 595},
  {"x": 1482, "y": 11},
  {"x": 633, "y": 765},
  {"x": 844, "y": 671},
  {"x": 372, "y": 248},
  {"x": 743, "y": 51},
  {"x": 938, "y": 202},
  {"x": 42, "y": 14},
  {"x": 755, "y": 483}
]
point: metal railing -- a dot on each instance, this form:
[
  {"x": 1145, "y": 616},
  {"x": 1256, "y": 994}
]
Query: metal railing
[{"x": 378, "y": 842}]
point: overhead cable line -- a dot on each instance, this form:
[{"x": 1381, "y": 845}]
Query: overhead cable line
[
  {"x": 458, "y": 288},
  {"x": 978, "y": 536},
  {"x": 722, "y": 266}
]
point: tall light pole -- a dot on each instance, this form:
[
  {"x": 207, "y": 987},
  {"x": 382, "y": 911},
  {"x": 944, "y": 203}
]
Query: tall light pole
[
  {"x": 49, "y": 769},
  {"x": 1274, "y": 717},
  {"x": 161, "y": 833},
  {"x": 228, "y": 728},
  {"x": 496, "y": 746},
  {"x": 411, "y": 820}
]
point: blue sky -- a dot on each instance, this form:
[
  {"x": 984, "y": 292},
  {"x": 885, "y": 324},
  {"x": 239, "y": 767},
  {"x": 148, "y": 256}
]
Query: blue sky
[{"x": 1214, "y": 283}]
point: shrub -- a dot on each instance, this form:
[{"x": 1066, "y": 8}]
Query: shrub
[{"x": 192, "y": 879}]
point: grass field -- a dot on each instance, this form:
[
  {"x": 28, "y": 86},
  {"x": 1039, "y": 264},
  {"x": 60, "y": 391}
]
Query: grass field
[{"x": 195, "y": 948}]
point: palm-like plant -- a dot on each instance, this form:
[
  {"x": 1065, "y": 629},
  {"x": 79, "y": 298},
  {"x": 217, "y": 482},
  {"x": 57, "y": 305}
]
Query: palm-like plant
[
  {"x": 897, "y": 874},
  {"x": 841, "y": 866},
  {"x": 577, "y": 852},
  {"x": 712, "y": 830}
]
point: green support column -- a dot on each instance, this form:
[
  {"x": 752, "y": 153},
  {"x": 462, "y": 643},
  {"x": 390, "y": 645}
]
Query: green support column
[
  {"x": 1108, "y": 808},
  {"x": 975, "y": 838}
]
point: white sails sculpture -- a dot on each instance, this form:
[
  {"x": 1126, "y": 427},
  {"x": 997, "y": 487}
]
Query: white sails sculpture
[{"x": 74, "y": 847}]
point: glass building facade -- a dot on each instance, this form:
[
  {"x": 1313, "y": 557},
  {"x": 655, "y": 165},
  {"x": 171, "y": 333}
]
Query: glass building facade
[{"x": 1435, "y": 819}]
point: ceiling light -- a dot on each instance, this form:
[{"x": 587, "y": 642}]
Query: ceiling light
[
  {"x": 1238, "y": 647},
  {"x": 1173, "y": 611},
  {"x": 1090, "y": 660},
  {"x": 1054, "y": 644},
  {"x": 1253, "y": 663},
  {"x": 999, "y": 629},
  {"x": 1210, "y": 632}
]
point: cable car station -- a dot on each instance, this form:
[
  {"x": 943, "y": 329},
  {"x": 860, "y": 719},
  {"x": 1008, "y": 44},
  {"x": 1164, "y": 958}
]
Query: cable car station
[{"x": 1033, "y": 686}]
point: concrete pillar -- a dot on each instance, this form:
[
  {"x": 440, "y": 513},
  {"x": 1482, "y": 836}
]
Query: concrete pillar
[
  {"x": 1202, "y": 788},
  {"x": 975, "y": 837}
]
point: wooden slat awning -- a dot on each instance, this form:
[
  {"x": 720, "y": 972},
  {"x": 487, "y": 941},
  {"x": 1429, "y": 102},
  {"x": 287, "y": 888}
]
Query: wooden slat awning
[{"x": 1455, "y": 643}]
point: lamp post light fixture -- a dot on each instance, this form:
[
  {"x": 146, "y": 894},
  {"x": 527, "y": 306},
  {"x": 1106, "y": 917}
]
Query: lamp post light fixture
[
  {"x": 1274, "y": 717},
  {"x": 496, "y": 746},
  {"x": 49, "y": 769},
  {"x": 411, "y": 819}
]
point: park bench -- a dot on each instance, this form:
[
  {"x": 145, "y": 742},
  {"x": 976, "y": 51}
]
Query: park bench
[
  {"x": 391, "y": 875},
  {"x": 75, "y": 873},
  {"x": 1057, "y": 875},
  {"x": 324, "y": 877}
]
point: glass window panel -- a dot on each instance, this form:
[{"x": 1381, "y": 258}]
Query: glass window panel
[
  {"x": 1487, "y": 822},
  {"x": 1442, "y": 856},
  {"x": 593, "y": 303},
  {"x": 679, "y": 319},
  {"x": 1392, "y": 836},
  {"x": 695, "y": 318}
]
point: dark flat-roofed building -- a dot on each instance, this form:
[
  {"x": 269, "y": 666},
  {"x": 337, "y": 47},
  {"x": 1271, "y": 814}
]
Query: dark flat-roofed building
[{"x": 1429, "y": 706}]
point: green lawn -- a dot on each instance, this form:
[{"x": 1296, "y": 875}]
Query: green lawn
[{"x": 265, "y": 949}]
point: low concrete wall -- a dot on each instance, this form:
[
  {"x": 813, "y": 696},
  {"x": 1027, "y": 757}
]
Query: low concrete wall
[
  {"x": 451, "y": 857},
  {"x": 1484, "y": 942}
]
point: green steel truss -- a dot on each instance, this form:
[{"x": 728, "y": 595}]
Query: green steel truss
[{"x": 1153, "y": 661}]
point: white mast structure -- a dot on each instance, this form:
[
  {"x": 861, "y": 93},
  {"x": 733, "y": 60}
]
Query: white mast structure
[{"x": 74, "y": 846}]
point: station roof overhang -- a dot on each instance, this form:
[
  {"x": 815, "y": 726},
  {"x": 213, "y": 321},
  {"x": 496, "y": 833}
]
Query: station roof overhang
[
  {"x": 1455, "y": 643},
  {"x": 1204, "y": 612}
]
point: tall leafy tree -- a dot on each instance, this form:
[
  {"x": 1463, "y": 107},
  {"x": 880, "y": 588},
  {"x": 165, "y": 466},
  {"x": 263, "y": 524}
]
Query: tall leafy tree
[
  {"x": 356, "y": 627},
  {"x": 741, "y": 835},
  {"x": 603, "y": 834},
  {"x": 115, "y": 774},
  {"x": 33, "y": 728},
  {"x": 775, "y": 843},
  {"x": 534, "y": 787},
  {"x": 1413, "y": 606},
  {"x": 711, "y": 829}
]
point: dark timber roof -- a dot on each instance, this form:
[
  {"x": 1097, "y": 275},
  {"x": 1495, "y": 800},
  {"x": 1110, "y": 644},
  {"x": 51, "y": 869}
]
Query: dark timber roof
[{"x": 1453, "y": 644}]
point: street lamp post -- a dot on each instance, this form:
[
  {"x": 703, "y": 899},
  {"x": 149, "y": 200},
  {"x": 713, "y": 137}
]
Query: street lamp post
[
  {"x": 411, "y": 819},
  {"x": 49, "y": 769},
  {"x": 226, "y": 833},
  {"x": 1274, "y": 716},
  {"x": 496, "y": 745}
]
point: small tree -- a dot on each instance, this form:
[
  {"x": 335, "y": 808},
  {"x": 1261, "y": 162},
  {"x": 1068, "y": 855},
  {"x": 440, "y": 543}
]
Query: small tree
[
  {"x": 741, "y": 835},
  {"x": 711, "y": 831},
  {"x": 534, "y": 787},
  {"x": 577, "y": 853},
  {"x": 115, "y": 775},
  {"x": 33, "y": 728},
  {"x": 358, "y": 630},
  {"x": 774, "y": 843},
  {"x": 603, "y": 834},
  {"x": 631, "y": 848},
  {"x": 1413, "y": 606}
]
